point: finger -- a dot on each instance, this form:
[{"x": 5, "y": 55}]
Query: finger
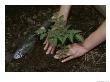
[
  {"x": 45, "y": 41},
  {"x": 46, "y": 46},
  {"x": 49, "y": 50},
  {"x": 58, "y": 52},
  {"x": 53, "y": 49},
  {"x": 71, "y": 51},
  {"x": 67, "y": 59},
  {"x": 58, "y": 56}
]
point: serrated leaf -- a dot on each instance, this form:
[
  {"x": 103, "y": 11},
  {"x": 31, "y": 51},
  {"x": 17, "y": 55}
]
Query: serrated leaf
[
  {"x": 61, "y": 39},
  {"x": 75, "y": 31},
  {"x": 52, "y": 41},
  {"x": 64, "y": 39},
  {"x": 50, "y": 34},
  {"x": 54, "y": 17},
  {"x": 79, "y": 37},
  {"x": 63, "y": 51},
  {"x": 42, "y": 36},
  {"x": 40, "y": 31},
  {"x": 70, "y": 35},
  {"x": 61, "y": 18},
  {"x": 68, "y": 26}
]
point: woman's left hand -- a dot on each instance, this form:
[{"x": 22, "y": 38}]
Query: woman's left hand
[{"x": 75, "y": 50}]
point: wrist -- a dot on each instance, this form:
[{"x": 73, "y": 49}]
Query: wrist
[
  {"x": 64, "y": 10},
  {"x": 87, "y": 48},
  {"x": 65, "y": 16}
]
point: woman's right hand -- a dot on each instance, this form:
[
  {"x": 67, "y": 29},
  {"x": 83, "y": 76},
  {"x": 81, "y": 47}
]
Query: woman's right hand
[
  {"x": 49, "y": 48},
  {"x": 64, "y": 10}
]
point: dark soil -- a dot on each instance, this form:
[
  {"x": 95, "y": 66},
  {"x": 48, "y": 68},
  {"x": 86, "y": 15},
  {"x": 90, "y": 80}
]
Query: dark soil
[{"x": 22, "y": 21}]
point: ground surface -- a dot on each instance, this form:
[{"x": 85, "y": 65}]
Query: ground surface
[{"x": 21, "y": 21}]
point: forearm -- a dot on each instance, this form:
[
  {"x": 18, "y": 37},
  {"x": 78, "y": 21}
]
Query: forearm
[
  {"x": 96, "y": 37},
  {"x": 64, "y": 10}
]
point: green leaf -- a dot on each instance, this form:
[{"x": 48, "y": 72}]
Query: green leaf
[
  {"x": 64, "y": 39},
  {"x": 52, "y": 41},
  {"x": 42, "y": 36},
  {"x": 68, "y": 26},
  {"x": 79, "y": 37},
  {"x": 63, "y": 51},
  {"x": 40, "y": 30},
  {"x": 61, "y": 18},
  {"x": 75, "y": 31},
  {"x": 54, "y": 17},
  {"x": 51, "y": 34},
  {"x": 61, "y": 39},
  {"x": 70, "y": 35}
]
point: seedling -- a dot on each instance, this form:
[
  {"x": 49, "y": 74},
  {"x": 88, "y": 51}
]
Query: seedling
[{"x": 59, "y": 33}]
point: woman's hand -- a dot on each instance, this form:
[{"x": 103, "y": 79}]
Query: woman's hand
[
  {"x": 49, "y": 48},
  {"x": 75, "y": 50},
  {"x": 64, "y": 10}
]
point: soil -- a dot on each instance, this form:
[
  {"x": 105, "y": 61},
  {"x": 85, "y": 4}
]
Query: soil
[{"x": 21, "y": 21}]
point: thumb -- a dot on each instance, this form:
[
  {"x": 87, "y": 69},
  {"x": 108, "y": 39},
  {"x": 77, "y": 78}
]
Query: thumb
[{"x": 71, "y": 52}]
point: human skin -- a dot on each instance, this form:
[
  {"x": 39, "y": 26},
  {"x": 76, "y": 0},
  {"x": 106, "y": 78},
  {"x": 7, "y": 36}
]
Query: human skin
[{"x": 94, "y": 39}]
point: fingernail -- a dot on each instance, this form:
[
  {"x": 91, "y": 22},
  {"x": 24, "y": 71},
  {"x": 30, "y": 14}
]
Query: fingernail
[
  {"x": 47, "y": 53},
  {"x": 62, "y": 61},
  {"x": 44, "y": 48},
  {"x": 56, "y": 57}
]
